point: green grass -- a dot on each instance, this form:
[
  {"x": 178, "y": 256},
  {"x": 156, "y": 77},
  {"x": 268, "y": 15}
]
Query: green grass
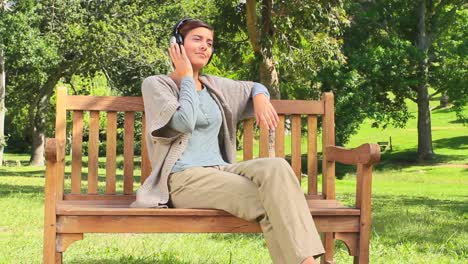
[
  {"x": 449, "y": 137},
  {"x": 420, "y": 211},
  {"x": 420, "y": 214}
]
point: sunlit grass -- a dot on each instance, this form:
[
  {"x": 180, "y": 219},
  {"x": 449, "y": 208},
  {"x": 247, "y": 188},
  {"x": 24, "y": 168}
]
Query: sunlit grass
[
  {"x": 420, "y": 211},
  {"x": 419, "y": 215}
]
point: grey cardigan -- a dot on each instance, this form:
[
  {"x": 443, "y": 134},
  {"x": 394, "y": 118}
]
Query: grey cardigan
[{"x": 166, "y": 145}]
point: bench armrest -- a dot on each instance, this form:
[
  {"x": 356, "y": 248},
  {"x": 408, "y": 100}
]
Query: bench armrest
[
  {"x": 51, "y": 150},
  {"x": 54, "y": 172},
  {"x": 367, "y": 154}
]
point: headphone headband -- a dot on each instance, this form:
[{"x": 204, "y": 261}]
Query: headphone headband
[{"x": 179, "y": 24}]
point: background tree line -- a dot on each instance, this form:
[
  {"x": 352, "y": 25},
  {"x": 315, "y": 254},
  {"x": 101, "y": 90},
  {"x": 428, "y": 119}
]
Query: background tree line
[{"x": 372, "y": 54}]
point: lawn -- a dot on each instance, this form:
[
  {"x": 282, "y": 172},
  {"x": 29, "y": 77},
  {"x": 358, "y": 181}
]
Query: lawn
[{"x": 420, "y": 211}]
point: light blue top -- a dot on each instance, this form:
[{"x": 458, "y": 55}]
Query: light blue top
[{"x": 200, "y": 115}]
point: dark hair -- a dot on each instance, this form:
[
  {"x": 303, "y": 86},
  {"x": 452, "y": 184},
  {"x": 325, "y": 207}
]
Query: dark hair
[{"x": 191, "y": 24}]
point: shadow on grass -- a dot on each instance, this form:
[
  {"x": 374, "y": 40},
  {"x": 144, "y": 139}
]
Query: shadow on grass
[
  {"x": 9, "y": 173},
  {"x": 453, "y": 143},
  {"x": 459, "y": 121},
  {"x": 9, "y": 189},
  {"x": 165, "y": 257},
  {"x": 391, "y": 160},
  {"x": 418, "y": 220}
]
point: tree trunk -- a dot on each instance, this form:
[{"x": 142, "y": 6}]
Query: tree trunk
[
  {"x": 269, "y": 76},
  {"x": 37, "y": 152},
  {"x": 262, "y": 41},
  {"x": 444, "y": 99},
  {"x": 37, "y": 121},
  {"x": 425, "y": 151},
  {"x": 2, "y": 105},
  {"x": 39, "y": 107}
]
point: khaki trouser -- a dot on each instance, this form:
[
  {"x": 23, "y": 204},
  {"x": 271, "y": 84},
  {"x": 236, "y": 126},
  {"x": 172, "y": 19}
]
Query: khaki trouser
[{"x": 264, "y": 190}]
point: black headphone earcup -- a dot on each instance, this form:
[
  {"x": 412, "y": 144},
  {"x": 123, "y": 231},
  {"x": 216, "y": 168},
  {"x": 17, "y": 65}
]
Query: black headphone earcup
[
  {"x": 179, "y": 39},
  {"x": 212, "y": 53}
]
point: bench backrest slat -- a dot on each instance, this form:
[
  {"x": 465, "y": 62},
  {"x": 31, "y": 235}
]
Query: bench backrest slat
[
  {"x": 328, "y": 139},
  {"x": 145, "y": 162},
  {"x": 312, "y": 161},
  {"x": 296, "y": 145},
  {"x": 279, "y": 137},
  {"x": 129, "y": 132},
  {"x": 93, "y": 152},
  {"x": 248, "y": 139},
  {"x": 111, "y": 152},
  {"x": 263, "y": 143},
  {"x": 77, "y": 148}
]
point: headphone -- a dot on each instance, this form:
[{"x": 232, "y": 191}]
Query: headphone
[
  {"x": 176, "y": 36},
  {"x": 179, "y": 39}
]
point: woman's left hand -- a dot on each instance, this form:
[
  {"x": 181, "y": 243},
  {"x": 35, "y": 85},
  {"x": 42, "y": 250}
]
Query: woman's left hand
[{"x": 264, "y": 111}]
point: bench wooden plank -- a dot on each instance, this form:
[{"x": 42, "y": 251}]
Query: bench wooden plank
[
  {"x": 328, "y": 133},
  {"x": 93, "y": 152},
  {"x": 304, "y": 107},
  {"x": 104, "y": 103},
  {"x": 111, "y": 151},
  {"x": 145, "y": 162},
  {"x": 130, "y": 103},
  {"x": 119, "y": 197},
  {"x": 279, "y": 137},
  {"x": 328, "y": 167},
  {"x": 263, "y": 142},
  {"x": 130, "y": 198},
  {"x": 296, "y": 145},
  {"x": 94, "y": 197},
  {"x": 248, "y": 139},
  {"x": 129, "y": 133},
  {"x": 121, "y": 207},
  {"x": 187, "y": 224},
  {"x": 77, "y": 150},
  {"x": 117, "y": 209},
  {"x": 312, "y": 164}
]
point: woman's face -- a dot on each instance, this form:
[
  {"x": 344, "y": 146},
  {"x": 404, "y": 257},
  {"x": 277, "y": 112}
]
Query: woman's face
[{"x": 198, "y": 45}]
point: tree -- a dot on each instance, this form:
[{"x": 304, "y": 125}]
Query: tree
[
  {"x": 5, "y": 6},
  {"x": 293, "y": 45},
  {"x": 289, "y": 40},
  {"x": 399, "y": 49},
  {"x": 53, "y": 40}
]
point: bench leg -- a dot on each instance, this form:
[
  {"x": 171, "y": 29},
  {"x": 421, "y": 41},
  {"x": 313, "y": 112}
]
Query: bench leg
[
  {"x": 58, "y": 258},
  {"x": 363, "y": 255},
  {"x": 50, "y": 254},
  {"x": 329, "y": 245}
]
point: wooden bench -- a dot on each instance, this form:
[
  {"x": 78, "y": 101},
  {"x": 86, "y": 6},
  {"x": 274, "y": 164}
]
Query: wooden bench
[{"x": 75, "y": 205}]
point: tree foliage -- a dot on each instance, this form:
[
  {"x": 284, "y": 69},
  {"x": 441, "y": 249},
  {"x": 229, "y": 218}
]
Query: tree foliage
[
  {"x": 399, "y": 50},
  {"x": 366, "y": 52}
]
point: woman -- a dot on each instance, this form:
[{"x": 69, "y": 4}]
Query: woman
[{"x": 191, "y": 143}]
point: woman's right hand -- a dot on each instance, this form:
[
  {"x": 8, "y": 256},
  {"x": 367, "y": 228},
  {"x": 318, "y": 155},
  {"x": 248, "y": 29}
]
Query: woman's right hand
[{"x": 182, "y": 64}]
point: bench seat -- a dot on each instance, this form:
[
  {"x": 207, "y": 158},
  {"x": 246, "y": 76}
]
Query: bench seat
[
  {"x": 122, "y": 207},
  {"x": 116, "y": 216}
]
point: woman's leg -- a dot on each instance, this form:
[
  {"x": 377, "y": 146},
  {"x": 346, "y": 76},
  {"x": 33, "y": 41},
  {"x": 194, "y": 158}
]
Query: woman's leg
[
  {"x": 217, "y": 189},
  {"x": 285, "y": 205}
]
